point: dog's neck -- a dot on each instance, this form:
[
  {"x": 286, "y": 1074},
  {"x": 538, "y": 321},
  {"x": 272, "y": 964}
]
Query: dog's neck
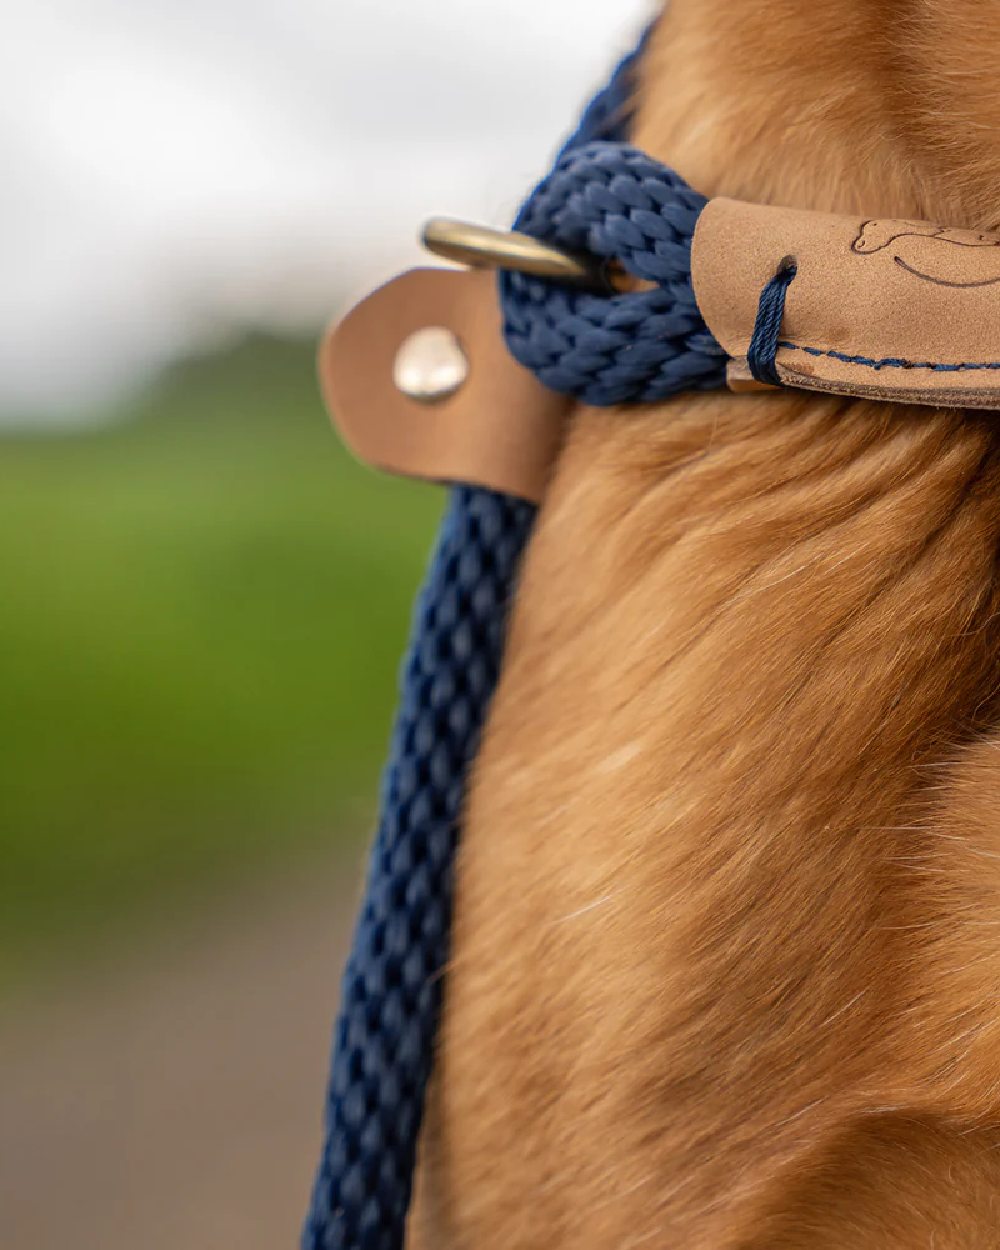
[{"x": 886, "y": 115}]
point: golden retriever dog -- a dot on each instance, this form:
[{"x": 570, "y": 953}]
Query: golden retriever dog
[{"x": 726, "y": 965}]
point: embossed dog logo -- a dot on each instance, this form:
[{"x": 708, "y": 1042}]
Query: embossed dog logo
[{"x": 931, "y": 253}]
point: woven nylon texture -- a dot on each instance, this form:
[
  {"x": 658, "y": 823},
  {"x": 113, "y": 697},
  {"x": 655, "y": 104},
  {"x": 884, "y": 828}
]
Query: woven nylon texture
[
  {"x": 384, "y": 1039},
  {"x": 615, "y": 202}
]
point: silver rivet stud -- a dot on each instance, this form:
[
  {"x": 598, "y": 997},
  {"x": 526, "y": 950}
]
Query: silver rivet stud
[{"x": 430, "y": 366}]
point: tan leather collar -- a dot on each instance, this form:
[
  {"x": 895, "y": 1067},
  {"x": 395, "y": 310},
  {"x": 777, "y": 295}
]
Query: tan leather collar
[{"x": 890, "y": 310}]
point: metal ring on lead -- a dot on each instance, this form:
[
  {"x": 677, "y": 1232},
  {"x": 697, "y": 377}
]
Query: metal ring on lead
[{"x": 482, "y": 248}]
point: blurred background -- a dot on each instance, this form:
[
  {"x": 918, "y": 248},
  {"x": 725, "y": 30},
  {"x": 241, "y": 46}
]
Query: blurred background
[{"x": 204, "y": 600}]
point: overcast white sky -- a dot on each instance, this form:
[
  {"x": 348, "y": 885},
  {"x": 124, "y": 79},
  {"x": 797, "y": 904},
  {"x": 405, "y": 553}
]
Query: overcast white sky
[{"x": 175, "y": 168}]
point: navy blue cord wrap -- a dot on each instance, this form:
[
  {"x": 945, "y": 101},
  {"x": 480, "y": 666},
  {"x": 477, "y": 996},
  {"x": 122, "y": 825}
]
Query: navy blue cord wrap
[
  {"x": 764, "y": 341},
  {"x": 613, "y": 201}
]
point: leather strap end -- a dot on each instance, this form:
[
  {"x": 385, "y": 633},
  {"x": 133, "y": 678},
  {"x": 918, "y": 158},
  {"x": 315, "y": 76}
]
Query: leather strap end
[{"x": 500, "y": 428}]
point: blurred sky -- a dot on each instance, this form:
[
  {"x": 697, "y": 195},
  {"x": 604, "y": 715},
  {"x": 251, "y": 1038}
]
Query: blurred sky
[{"x": 175, "y": 171}]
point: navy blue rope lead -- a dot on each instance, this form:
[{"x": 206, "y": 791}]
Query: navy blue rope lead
[
  {"x": 384, "y": 1037},
  {"x": 614, "y": 202}
]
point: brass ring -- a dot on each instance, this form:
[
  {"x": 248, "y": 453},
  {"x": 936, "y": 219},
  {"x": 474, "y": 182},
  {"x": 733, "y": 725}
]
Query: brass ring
[{"x": 479, "y": 247}]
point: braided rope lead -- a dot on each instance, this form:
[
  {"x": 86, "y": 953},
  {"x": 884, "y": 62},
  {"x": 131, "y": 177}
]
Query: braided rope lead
[
  {"x": 617, "y": 203},
  {"x": 384, "y": 1036}
]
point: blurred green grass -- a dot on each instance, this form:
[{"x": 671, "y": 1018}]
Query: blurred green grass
[{"x": 205, "y": 604}]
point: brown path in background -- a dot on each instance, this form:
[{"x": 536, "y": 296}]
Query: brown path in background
[{"x": 175, "y": 1103}]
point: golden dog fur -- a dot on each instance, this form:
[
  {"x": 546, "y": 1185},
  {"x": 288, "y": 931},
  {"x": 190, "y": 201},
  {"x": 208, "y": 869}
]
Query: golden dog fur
[{"x": 727, "y": 946}]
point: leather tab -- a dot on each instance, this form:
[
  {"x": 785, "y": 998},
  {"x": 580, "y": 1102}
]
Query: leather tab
[
  {"x": 879, "y": 309},
  {"x": 501, "y": 429}
]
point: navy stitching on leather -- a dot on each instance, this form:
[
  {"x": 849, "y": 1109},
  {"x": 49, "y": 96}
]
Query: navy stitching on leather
[{"x": 892, "y": 362}]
